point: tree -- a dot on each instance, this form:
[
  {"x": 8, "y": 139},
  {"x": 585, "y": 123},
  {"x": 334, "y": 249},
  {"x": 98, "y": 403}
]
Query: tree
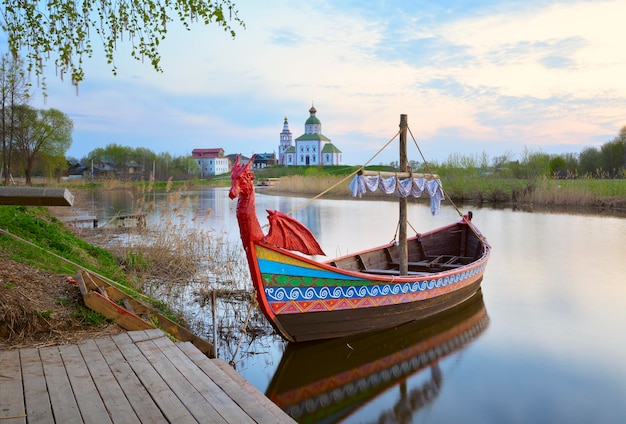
[
  {"x": 557, "y": 167},
  {"x": 590, "y": 161},
  {"x": 500, "y": 162},
  {"x": 41, "y": 133},
  {"x": 185, "y": 166},
  {"x": 536, "y": 164},
  {"x": 61, "y": 30},
  {"x": 13, "y": 92},
  {"x": 620, "y": 141},
  {"x": 612, "y": 154},
  {"x": 113, "y": 154}
]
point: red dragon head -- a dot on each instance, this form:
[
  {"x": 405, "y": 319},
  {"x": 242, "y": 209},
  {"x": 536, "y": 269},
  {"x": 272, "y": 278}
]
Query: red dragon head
[{"x": 241, "y": 177}]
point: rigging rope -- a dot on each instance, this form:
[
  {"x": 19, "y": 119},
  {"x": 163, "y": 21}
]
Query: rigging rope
[
  {"x": 427, "y": 165},
  {"x": 78, "y": 266},
  {"x": 362, "y": 167},
  {"x": 292, "y": 211}
]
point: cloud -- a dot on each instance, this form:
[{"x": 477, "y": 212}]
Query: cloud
[{"x": 470, "y": 76}]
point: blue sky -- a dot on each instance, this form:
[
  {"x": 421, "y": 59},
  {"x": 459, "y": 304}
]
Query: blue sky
[{"x": 473, "y": 76}]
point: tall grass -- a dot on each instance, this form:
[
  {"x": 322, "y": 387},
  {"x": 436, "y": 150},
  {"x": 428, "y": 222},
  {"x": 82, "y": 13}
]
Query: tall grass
[
  {"x": 312, "y": 185},
  {"x": 486, "y": 189},
  {"x": 183, "y": 266},
  {"x": 169, "y": 252},
  {"x": 580, "y": 192}
]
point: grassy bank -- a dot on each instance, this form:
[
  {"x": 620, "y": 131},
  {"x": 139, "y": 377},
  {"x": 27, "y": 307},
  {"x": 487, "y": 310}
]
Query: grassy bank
[
  {"x": 33, "y": 236},
  {"x": 467, "y": 188}
]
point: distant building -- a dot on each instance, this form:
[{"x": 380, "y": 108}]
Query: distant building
[
  {"x": 262, "y": 160},
  {"x": 311, "y": 148},
  {"x": 233, "y": 157},
  {"x": 211, "y": 161}
]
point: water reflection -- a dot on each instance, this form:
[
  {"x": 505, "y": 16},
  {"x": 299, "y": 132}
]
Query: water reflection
[
  {"x": 555, "y": 292},
  {"x": 327, "y": 382}
]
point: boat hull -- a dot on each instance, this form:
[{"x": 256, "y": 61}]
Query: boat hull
[
  {"x": 360, "y": 368},
  {"x": 332, "y": 324},
  {"x": 309, "y": 300}
]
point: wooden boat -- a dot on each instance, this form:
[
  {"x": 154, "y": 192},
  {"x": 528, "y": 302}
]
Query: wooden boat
[
  {"x": 358, "y": 369},
  {"x": 308, "y": 299},
  {"x": 132, "y": 314}
]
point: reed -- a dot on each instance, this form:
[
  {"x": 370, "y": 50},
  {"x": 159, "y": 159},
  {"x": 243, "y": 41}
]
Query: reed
[
  {"x": 585, "y": 192},
  {"x": 480, "y": 189},
  {"x": 168, "y": 252},
  {"x": 312, "y": 185}
]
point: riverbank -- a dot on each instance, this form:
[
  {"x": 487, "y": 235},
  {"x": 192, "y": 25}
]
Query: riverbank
[
  {"x": 587, "y": 193},
  {"x": 39, "y": 303},
  {"x": 41, "y": 308}
]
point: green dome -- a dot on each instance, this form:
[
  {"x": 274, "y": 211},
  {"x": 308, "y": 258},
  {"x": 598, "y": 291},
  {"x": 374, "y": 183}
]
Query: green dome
[{"x": 312, "y": 120}]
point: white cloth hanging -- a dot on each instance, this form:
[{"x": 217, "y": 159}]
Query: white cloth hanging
[{"x": 361, "y": 184}]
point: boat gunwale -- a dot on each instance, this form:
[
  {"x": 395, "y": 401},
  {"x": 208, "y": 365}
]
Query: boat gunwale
[{"x": 373, "y": 277}]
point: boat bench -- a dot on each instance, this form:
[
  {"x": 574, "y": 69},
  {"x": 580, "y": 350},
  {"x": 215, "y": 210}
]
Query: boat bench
[
  {"x": 436, "y": 263},
  {"x": 393, "y": 272}
]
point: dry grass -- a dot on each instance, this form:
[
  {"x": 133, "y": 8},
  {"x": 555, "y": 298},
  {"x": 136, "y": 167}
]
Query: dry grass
[
  {"x": 171, "y": 251},
  {"x": 314, "y": 185},
  {"x": 578, "y": 192},
  {"x": 39, "y": 308},
  {"x": 181, "y": 265},
  {"x": 548, "y": 192}
]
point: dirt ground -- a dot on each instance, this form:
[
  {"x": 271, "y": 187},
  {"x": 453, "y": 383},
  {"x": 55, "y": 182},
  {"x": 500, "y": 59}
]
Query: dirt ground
[{"x": 41, "y": 309}]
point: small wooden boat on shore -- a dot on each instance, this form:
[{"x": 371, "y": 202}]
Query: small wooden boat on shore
[
  {"x": 308, "y": 299},
  {"x": 130, "y": 313},
  {"x": 358, "y": 369}
]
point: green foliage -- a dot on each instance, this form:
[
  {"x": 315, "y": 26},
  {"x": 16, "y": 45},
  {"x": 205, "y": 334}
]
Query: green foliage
[
  {"x": 613, "y": 156},
  {"x": 312, "y": 171},
  {"x": 63, "y": 301},
  {"x": 62, "y": 29},
  {"x": 137, "y": 261},
  {"x": 36, "y": 133},
  {"x": 590, "y": 161},
  {"x": 36, "y": 226},
  {"x": 44, "y": 314},
  {"x": 557, "y": 166},
  {"x": 160, "y": 167},
  {"x": 88, "y": 316}
]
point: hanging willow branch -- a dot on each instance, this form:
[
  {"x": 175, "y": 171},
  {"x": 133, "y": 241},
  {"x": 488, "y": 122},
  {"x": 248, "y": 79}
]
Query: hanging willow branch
[{"x": 61, "y": 30}]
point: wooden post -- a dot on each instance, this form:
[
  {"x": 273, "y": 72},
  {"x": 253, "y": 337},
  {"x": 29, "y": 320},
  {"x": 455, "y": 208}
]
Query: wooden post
[
  {"x": 214, "y": 316},
  {"x": 404, "y": 167}
]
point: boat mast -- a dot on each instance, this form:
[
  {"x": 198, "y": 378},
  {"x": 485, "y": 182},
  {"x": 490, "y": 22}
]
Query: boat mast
[{"x": 404, "y": 167}]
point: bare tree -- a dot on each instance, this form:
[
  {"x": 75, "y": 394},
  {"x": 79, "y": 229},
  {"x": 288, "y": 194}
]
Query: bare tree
[{"x": 13, "y": 92}]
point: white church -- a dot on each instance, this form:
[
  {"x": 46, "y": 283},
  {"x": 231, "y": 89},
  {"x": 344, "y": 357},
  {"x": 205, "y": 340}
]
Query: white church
[{"x": 311, "y": 148}]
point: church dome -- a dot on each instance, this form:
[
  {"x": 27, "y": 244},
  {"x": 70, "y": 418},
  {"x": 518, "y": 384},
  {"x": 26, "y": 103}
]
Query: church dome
[{"x": 312, "y": 119}]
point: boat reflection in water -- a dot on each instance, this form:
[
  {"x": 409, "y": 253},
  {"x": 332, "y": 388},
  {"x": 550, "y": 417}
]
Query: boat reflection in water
[{"x": 329, "y": 381}]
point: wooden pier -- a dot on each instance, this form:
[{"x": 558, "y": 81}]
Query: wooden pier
[
  {"x": 80, "y": 221},
  {"x": 133, "y": 377}
]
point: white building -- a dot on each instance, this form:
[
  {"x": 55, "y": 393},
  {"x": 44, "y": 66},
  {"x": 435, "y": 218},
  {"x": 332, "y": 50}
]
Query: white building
[
  {"x": 311, "y": 148},
  {"x": 211, "y": 161}
]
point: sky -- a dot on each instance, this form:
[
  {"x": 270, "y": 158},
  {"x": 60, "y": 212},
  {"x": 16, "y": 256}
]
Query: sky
[{"x": 494, "y": 77}]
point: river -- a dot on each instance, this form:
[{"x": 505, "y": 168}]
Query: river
[{"x": 543, "y": 344}]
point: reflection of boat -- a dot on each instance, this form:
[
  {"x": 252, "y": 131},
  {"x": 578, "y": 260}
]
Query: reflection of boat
[
  {"x": 353, "y": 371},
  {"x": 378, "y": 288}
]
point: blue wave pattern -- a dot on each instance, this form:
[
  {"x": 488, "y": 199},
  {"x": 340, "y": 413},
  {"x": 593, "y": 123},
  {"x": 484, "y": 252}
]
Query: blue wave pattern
[{"x": 282, "y": 294}]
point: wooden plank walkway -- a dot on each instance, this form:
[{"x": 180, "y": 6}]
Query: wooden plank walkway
[{"x": 133, "y": 377}]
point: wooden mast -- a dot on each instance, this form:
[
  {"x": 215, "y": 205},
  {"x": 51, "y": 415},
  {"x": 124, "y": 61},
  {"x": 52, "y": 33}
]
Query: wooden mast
[{"x": 404, "y": 167}]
